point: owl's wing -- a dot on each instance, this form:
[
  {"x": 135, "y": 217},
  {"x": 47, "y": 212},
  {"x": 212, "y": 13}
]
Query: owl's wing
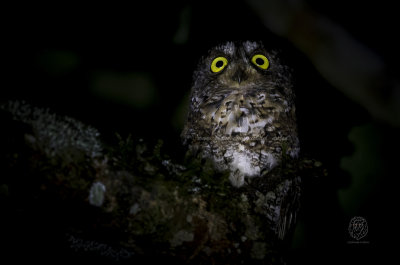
[{"x": 290, "y": 195}]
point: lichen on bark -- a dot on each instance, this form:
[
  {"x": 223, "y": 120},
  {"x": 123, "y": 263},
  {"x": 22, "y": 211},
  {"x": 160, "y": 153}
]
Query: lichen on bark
[{"x": 133, "y": 198}]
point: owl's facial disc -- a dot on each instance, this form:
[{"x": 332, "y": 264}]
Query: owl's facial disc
[{"x": 238, "y": 65}]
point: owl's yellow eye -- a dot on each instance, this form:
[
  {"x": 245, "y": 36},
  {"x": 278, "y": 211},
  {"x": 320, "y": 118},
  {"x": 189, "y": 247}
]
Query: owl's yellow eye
[
  {"x": 218, "y": 64},
  {"x": 261, "y": 61}
]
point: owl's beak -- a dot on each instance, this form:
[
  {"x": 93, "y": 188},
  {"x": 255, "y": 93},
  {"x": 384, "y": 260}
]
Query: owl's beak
[{"x": 239, "y": 76}]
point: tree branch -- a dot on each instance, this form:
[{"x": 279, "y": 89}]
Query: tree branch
[{"x": 131, "y": 202}]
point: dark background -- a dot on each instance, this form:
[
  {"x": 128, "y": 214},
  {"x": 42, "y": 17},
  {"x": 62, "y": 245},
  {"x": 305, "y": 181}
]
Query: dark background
[{"x": 127, "y": 69}]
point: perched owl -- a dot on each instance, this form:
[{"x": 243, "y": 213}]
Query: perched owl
[{"x": 242, "y": 113}]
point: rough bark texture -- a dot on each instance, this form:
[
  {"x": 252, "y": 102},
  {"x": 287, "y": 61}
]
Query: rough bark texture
[{"x": 131, "y": 202}]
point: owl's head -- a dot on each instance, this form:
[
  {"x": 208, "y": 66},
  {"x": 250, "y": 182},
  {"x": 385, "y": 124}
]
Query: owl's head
[{"x": 241, "y": 66}]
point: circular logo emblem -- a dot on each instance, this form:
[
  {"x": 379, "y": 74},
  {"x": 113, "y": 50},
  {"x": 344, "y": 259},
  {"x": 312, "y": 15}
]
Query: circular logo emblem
[{"x": 358, "y": 227}]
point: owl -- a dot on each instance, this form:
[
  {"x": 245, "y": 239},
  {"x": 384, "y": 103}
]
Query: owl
[{"x": 242, "y": 113}]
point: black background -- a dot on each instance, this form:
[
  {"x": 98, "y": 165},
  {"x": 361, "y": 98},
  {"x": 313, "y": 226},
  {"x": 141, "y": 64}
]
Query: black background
[{"x": 37, "y": 40}]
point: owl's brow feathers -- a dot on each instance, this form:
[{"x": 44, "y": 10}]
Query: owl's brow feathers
[{"x": 230, "y": 47}]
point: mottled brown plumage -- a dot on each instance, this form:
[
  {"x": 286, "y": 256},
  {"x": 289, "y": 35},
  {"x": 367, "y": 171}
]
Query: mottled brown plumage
[{"x": 242, "y": 114}]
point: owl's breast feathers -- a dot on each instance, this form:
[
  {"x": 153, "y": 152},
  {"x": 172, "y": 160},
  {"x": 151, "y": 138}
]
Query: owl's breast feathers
[{"x": 245, "y": 133}]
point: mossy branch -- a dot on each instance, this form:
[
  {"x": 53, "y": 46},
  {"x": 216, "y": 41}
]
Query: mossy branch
[{"x": 131, "y": 202}]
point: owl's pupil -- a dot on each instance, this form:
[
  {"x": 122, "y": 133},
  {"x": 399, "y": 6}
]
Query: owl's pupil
[
  {"x": 259, "y": 61},
  {"x": 219, "y": 64}
]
